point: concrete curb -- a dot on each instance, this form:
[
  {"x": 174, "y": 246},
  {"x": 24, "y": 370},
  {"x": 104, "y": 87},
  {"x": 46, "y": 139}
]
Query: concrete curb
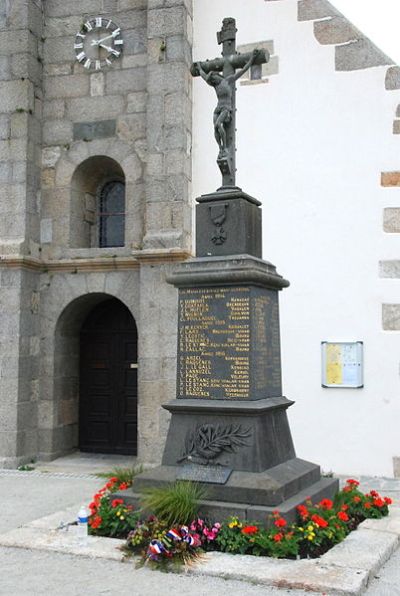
[{"x": 345, "y": 570}]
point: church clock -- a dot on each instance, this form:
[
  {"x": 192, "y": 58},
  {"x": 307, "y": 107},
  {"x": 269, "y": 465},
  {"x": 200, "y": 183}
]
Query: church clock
[{"x": 98, "y": 43}]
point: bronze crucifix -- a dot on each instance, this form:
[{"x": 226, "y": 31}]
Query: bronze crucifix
[{"x": 225, "y": 87}]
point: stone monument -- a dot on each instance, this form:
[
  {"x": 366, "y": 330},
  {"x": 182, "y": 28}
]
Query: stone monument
[{"x": 229, "y": 426}]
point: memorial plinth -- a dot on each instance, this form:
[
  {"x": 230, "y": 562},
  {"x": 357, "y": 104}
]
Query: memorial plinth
[{"x": 229, "y": 428}]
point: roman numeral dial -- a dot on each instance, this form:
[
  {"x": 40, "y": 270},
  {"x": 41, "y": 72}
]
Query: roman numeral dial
[{"x": 98, "y": 43}]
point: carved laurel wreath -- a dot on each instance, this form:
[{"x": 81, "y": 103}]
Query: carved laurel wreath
[{"x": 207, "y": 441}]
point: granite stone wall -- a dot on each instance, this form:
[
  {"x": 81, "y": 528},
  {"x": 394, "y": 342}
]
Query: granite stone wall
[{"x": 63, "y": 130}]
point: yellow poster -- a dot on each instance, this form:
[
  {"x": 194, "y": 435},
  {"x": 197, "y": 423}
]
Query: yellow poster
[{"x": 334, "y": 367}]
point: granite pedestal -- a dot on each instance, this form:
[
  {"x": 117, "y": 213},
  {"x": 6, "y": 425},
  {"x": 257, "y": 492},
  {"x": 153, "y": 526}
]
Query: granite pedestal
[{"x": 229, "y": 429}]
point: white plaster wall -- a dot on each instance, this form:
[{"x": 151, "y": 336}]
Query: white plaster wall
[{"x": 311, "y": 146}]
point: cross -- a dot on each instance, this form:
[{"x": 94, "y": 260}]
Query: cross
[{"x": 225, "y": 88}]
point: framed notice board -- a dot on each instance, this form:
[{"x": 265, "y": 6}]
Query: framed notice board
[{"x": 342, "y": 364}]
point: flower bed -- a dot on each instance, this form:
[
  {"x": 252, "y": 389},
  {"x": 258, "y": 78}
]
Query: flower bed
[{"x": 319, "y": 527}]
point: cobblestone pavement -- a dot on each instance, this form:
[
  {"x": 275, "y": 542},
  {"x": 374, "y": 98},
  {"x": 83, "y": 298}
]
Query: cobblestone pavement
[{"x": 26, "y": 496}]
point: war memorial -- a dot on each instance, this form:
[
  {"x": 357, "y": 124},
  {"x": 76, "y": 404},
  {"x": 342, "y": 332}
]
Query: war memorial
[{"x": 229, "y": 428}]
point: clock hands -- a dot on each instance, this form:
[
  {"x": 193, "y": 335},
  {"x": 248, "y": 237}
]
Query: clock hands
[
  {"x": 98, "y": 42},
  {"x": 109, "y": 49}
]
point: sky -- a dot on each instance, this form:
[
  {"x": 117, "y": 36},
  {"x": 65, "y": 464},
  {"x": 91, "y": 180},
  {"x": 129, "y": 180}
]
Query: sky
[{"x": 379, "y": 20}]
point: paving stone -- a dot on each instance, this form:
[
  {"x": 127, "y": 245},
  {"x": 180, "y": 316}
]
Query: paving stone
[
  {"x": 366, "y": 549},
  {"x": 307, "y": 575},
  {"x": 390, "y": 524},
  {"x": 64, "y": 542}
]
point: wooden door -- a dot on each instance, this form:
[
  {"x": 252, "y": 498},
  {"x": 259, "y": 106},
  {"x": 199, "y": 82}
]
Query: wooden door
[{"x": 108, "y": 380}]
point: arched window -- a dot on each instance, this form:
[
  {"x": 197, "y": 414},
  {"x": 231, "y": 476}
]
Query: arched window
[
  {"x": 111, "y": 215},
  {"x": 97, "y": 216}
]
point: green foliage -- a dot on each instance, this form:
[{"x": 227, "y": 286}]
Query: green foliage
[
  {"x": 280, "y": 545},
  {"x": 25, "y": 468},
  {"x": 230, "y": 538},
  {"x": 124, "y": 475},
  {"x": 175, "y": 503}
]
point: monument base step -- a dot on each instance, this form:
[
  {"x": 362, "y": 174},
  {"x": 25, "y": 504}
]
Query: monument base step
[{"x": 250, "y": 496}]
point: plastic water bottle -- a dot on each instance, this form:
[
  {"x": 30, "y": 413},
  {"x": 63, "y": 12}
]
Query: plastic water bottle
[{"x": 83, "y": 518}]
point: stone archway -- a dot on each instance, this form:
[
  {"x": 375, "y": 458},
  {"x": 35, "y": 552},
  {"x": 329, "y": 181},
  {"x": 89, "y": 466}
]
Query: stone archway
[{"x": 63, "y": 410}]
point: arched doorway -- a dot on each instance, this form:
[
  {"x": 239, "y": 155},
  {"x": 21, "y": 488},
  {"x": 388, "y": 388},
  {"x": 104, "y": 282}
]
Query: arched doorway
[{"x": 108, "y": 380}]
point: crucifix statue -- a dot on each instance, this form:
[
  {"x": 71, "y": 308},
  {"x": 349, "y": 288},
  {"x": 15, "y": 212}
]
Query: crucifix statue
[{"x": 225, "y": 88}]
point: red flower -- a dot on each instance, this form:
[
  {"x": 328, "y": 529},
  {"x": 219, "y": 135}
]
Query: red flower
[
  {"x": 343, "y": 516},
  {"x": 344, "y": 507},
  {"x": 367, "y": 505},
  {"x": 278, "y": 537},
  {"x": 123, "y": 486},
  {"x": 353, "y": 482},
  {"x": 356, "y": 499},
  {"x": 303, "y": 511},
  {"x": 116, "y": 502},
  {"x": 373, "y": 493},
  {"x": 280, "y": 522},
  {"x": 388, "y": 501},
  {"x": 326, "y": 504},
  {"x": 250, "y": 530},
  {"x": 96, "y": 522},
  {"x": 320, "y": 521},
  {"x": 378, "y": 502}
]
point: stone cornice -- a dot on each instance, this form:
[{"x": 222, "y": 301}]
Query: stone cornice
[{"x": 93, "y": 264}]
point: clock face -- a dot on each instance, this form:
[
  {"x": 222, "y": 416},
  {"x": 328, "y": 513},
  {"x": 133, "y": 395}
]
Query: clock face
[{"x": 98, "y": 43}]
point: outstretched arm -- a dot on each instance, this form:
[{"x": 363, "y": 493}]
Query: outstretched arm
[
  {"x": 202, "y": 73},
  {"x": 246, "y": 67}
]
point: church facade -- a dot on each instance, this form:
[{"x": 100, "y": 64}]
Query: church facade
[
  {"x": 105, "y": 142},
  {"x": 95, "y": 210}
]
